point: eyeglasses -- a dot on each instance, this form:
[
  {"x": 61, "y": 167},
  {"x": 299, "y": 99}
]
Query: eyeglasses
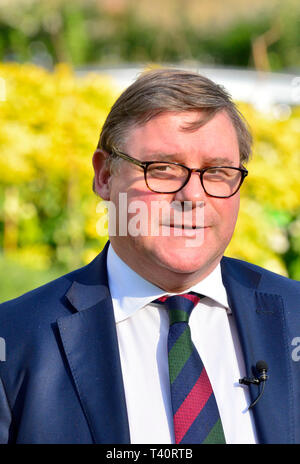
[{"x": 166, "y": 177}]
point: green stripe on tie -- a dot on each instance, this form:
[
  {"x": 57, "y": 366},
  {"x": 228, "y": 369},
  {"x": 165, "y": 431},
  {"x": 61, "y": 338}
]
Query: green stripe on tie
[
  {"x": 179, "y": 354},
  {"x": 176, "y": 315},
  {"x": 216, "y": 435}
]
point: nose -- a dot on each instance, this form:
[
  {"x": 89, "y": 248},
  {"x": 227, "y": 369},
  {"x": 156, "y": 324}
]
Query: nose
[{"x": 192, "y": 191}]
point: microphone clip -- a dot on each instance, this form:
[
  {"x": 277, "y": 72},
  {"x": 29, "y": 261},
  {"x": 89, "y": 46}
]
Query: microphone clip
[
  {"x": 250, "y": 380},
  {"x": 261, "y": 368}
]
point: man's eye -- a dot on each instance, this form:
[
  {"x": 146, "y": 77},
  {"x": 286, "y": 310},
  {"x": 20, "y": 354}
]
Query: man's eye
[
  {"x": 221, "y": 174},
  {"x": 222, "y": 171},
  {"x": 215, "y": 172},
  {"x": 163, "y": 168}
]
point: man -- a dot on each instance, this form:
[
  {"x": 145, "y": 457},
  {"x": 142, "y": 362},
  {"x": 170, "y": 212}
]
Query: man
[{"x": 90, "y": 356}]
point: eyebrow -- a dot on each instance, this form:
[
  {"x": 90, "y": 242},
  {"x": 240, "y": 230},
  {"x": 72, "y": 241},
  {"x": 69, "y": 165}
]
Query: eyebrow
[
  {"x": 218, "y": 161},
  {"x": 164, "y": 157},
  {"x": 214, "y": 161}
]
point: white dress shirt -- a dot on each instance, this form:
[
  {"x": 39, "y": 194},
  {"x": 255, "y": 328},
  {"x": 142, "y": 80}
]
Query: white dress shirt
[{"x": 142, "y": 330}]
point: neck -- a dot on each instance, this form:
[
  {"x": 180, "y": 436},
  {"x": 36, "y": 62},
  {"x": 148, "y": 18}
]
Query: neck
[{"x": 169, "y": 280}]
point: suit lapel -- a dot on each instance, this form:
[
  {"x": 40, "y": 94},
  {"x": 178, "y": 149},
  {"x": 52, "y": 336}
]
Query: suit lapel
[
  {"x": 90, "y": 343},
  {"x": 261, "y": 326}
]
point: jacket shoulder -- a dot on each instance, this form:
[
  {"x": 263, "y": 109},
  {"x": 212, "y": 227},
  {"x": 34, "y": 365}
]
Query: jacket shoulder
[
  {"x": 50, "y": 290},
  {"x": 49, "y": 299},
  {"x": 272, "y": 281}
]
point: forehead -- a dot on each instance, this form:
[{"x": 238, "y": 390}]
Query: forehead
[{"x": 169, "y": 135}]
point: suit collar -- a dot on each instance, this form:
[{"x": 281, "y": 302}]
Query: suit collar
[
  {"x": 260, "y": 321},
  {"x": 90, "y": 283},
  {"x": 130, "y": 291}
]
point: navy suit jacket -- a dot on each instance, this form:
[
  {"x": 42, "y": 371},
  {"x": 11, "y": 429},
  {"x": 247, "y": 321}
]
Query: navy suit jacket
[{"x": 61, "y": 381}]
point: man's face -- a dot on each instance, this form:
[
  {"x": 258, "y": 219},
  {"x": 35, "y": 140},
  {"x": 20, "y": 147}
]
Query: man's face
[{"x": 168, "y": 258}]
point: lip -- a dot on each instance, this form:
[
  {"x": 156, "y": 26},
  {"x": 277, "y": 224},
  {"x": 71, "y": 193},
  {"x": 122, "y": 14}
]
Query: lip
[
  {"x": 183, "y": 230},
  {"x": 184, "y": 226}
]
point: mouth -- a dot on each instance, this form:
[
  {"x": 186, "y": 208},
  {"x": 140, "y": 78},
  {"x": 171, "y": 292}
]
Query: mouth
[
  {"x": 183, "y": 230},
  {"x": 184, "y": 226}
]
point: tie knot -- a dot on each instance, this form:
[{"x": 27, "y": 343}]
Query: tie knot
[{"x": 180, "y": 306}]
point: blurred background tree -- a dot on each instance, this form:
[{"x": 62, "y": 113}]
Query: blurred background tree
[
  {"x": 51, "y": 118},
  {"x": 93, "y": 32}
]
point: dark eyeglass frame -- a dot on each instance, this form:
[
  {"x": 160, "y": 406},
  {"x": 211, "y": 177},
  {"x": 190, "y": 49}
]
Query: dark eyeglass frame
[{"x": 145, "y": 164}]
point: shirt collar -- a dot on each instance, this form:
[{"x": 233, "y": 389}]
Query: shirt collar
[{"x": 131, "y": 292}]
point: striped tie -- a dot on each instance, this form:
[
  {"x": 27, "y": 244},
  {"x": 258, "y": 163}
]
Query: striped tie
[{"x": 195, "y": 412}]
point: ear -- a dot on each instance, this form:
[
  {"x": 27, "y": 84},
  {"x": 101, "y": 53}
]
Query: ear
[{"x": 102, "y": 174}]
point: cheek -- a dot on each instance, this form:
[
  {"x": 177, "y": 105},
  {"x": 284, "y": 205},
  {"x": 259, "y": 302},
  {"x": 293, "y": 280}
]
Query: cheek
[
  {"x": 228, "y": 211},
  {"x": 145, "y": 211},
  {"x": 136, "y": 210}
]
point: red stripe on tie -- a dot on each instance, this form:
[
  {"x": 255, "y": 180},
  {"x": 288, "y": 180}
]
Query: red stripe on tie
[
  {"x": 194, "y": 298},
  {"x": 162, "y": 298},
  {"x": 192, "y": 406}
]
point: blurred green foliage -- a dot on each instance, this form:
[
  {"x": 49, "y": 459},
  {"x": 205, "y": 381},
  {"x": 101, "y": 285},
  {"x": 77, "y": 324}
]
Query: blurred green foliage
[
  {"x": 17, "y": 278},
  {"x": 49, "y": 128},
  {"x": 106, "y": 32}
]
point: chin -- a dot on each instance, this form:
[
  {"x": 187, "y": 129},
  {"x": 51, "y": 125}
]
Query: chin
[{"x": 185, "y": 260}]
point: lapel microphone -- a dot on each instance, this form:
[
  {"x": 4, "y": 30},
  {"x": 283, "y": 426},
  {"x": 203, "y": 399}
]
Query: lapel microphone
[{"x": 261, "y": 368}]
